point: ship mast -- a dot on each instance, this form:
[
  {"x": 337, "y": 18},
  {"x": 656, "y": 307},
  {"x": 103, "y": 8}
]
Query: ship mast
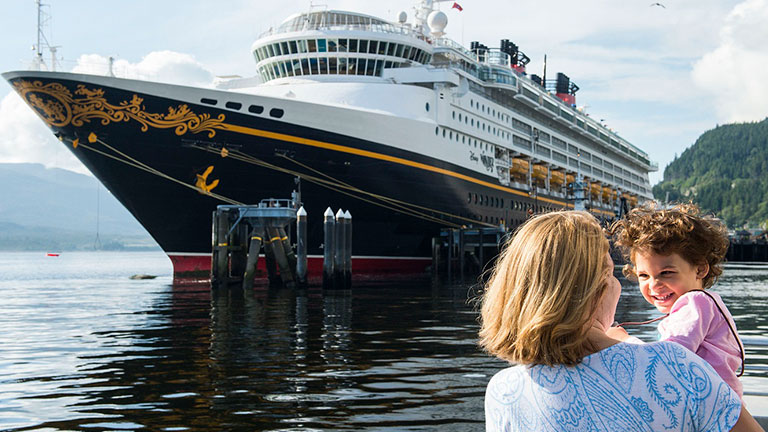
[{"x": 43, "y": 21}]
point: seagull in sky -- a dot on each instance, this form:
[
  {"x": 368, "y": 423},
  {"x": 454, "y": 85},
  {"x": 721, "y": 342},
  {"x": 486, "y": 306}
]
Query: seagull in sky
[{"x": 658, "y": 4}]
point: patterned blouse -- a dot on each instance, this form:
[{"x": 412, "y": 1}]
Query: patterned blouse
[{"x": 659, "y": 386}]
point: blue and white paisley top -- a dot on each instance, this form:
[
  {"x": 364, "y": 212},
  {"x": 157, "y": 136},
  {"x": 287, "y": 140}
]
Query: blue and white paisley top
[{"x": 659, "y": 386}]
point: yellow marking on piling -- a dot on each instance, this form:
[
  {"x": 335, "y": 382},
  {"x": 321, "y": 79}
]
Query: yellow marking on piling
[
  {"x": 256, "y": 238},
  {"x": 223, "y": 244},
  {"x": 274, "y": 239}
]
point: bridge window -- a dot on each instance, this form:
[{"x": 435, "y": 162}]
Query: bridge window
[
  {"x": 343, "y": 45},
  {"x": 312, "y": 45},
  {"x": 284, "y": 48},
  {"x": 353, "y": 45},
  {"x": 373, "y": 47},
  {"x": 293, "y": 49},
  {"x": 321, "y": 45},
  {"x": 391, "y": 49},
  {"x": 332, "y": 45},
  {"x": 362, "y": 46},
  {"x": 383, "y": 48}
]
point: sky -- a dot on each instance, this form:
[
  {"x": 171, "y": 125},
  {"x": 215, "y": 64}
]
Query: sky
[{"x": 659, "y": 76}]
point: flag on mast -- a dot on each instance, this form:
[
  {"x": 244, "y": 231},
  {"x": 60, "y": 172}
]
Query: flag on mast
[{"x": 457, "y": 6}]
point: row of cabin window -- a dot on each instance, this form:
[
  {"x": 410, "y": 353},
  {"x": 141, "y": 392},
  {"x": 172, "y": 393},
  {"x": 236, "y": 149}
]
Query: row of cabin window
[
  {"x": 492, "y": 201},
  {"x": 526, "y": 128},
  {"x": 464, "y": 139},
  {"x": 326, "y": 66},
  {"x": 482, "y": 126},
  {"x": 343, "y": 46}
]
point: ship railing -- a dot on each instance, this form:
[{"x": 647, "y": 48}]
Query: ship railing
[
  {"x": 322, "y": 26},
  {"x": 448, "y": 43},
  {"x": 494, "y": 57}
]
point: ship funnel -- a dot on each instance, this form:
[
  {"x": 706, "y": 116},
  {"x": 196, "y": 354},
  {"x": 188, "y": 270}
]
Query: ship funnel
[
  {"x": 518, "y": 60},
  {"x": 565, "y": 89}
]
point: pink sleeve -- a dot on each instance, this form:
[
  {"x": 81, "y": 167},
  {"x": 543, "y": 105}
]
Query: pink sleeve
[{"x": 688, "y": 321}]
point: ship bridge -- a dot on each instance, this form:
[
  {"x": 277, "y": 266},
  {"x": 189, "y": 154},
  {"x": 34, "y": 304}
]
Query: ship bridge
[{"x": 321, "y": 44}]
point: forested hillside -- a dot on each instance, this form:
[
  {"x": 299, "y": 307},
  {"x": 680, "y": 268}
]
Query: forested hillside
[{"x": 725, "y": 172}]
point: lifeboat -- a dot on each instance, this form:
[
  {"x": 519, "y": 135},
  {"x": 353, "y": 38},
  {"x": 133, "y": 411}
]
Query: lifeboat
[
  {"x": 607, "y": 192},
  {"x": 540, "y": 171},
  {"x": 557, "y": 178},
  {"x": 595, "y": 189},
  {"x": 519, "y": 168}
]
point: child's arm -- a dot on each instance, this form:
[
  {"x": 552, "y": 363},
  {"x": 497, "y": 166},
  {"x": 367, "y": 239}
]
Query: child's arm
[{"x": 689, "y": 320}]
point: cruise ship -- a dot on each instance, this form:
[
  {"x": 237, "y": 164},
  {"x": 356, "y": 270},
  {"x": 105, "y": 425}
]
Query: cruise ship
[{"x": 395, "y": 122}]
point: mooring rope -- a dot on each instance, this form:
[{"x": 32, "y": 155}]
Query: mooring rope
[
  {"x": 337, "y": 186},
  {"x": 130, "y": 161}
]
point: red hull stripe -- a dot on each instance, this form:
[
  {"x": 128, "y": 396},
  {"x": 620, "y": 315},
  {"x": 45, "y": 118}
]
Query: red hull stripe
[{"x": 200, "y": 264}]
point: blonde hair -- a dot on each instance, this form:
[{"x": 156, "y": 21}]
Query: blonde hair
[
  {"x": 545, "y": 289},
  {"x": 681, "y": 229}
]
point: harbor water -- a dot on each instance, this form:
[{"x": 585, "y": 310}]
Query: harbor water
[{"x": 84, "y": 347}]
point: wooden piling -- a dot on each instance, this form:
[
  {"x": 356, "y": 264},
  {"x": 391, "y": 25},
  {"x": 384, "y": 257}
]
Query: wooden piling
[
  {"x": 301, "y": 246},
  {"x": 256, "y": 240},
  {"x": 329, "y": 225},
  {"x": 348, "y": 250},
  {"x": 222, "y": 245}
]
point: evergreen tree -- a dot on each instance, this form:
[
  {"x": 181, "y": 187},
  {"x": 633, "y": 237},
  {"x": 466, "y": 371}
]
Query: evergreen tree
[{"x": 725, "y": 172}]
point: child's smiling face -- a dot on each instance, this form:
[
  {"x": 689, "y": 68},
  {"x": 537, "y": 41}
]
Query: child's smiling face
[{"x": 664, "y": 278}]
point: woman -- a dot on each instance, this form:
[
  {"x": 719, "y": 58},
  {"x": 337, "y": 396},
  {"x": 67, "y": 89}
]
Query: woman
[{"x": 548, "y": 307}]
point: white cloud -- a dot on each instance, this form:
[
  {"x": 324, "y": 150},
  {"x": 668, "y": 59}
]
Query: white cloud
[
  {"x": 165, "y": 66},
  {"x": 734, "y": 72},
  {"x": 26, "y": 139}
]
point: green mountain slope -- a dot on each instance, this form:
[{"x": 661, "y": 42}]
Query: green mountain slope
[
  {"x": 55, "y": 209},
  {"x": 725, "y": 172}
]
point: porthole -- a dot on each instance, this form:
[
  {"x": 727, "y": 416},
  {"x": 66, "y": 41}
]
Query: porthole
[
  {"x": 209, "y": 101},
  {"x": 234, "y": 105},
  {"x": 459, "y": 116},
  {"x": 469, "y": 197},
  {"x": 427, "y": 106},
  {"x": 276, "y": 112},
  {"x": 436, "y": 130},
  {"x": 443, "y": 133},
  {"x": 454, "y": 115},
  {"x": 256, "y": 109}
]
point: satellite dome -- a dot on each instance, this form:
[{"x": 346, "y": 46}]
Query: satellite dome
[
  {"x": 437, "y": 21},
  {"x": 402, "y": 17}
]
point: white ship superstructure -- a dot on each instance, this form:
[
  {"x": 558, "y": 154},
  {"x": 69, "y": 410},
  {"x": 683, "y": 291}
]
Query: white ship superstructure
[{"x": 475, "y": 108}]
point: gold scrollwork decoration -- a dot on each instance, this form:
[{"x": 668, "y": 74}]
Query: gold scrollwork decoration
[{"x": 58, "y": 107}]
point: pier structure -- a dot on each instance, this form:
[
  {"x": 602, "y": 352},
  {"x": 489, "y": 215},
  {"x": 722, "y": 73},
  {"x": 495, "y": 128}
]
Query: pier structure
[
  {"x": 240, "y": 232},
  {"x": 466, "y": 251}
]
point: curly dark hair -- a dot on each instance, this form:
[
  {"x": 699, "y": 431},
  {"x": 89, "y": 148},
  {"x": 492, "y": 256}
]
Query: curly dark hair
[{"x": 681, "y": 229}]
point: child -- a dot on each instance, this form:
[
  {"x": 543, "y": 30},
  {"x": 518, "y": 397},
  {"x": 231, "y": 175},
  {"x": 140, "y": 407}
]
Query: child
[{"x": 675, "y": 254}]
